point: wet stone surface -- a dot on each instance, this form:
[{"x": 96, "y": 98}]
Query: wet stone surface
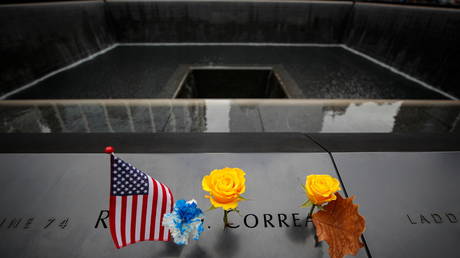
[
  {"x": 410, "y": 200},
  {"x": 144, "y": 72},
  {"x": 224, "y": 115},
  {"x": 74, "y": 186}
]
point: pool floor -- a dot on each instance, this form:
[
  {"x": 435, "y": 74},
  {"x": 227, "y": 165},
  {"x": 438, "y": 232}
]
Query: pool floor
[{"x": 147, "y": 72}]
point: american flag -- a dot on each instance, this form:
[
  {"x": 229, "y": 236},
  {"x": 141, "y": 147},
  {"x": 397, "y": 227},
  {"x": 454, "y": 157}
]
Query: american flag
[{"x": 137, "y": 205}]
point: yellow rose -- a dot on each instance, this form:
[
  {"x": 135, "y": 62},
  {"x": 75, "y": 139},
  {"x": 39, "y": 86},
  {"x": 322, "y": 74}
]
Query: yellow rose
[
  {"x": 321, "y": 188},
  {"x": 224, "y": 187}
]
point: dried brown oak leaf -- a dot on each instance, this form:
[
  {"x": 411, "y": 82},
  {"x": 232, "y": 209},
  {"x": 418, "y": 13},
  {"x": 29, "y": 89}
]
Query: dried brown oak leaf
[{"x": 341, "y": 226}]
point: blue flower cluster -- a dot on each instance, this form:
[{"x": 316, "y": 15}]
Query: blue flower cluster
[{"x": 185, "y": 219}]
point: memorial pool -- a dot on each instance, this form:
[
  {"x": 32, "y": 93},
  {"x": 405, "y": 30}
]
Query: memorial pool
[{"x": 328, "y": 72}]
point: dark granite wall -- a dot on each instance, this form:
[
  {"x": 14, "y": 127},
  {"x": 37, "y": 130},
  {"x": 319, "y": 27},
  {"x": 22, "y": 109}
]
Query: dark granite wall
[
  {"x": 423, "y": 42},
  {"x": 37, "y": 39},
  {"x": 226, "y": 21}
]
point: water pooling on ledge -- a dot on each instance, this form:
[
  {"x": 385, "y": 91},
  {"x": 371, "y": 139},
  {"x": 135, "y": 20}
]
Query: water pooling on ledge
[{"x": 225, "y": 115}]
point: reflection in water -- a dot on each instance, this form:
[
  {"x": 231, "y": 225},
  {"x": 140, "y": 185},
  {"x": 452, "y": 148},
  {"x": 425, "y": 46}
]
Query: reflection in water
[
  {"x": 217, "y": 115},
  {"x": 147, "y": 116},
  {"x": 245, "y": 118},
  {"x": 184, "y": 117},
  {"x": 362, "y": 117}
]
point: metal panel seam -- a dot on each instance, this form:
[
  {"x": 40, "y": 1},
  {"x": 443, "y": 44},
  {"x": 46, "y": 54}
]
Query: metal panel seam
[{"x": 366, "y": 247}]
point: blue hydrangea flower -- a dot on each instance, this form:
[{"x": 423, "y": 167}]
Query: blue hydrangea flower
[{"x": 185, "y": 219}]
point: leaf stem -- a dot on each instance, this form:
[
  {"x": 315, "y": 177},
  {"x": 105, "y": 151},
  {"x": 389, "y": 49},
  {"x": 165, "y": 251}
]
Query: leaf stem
[
  {"x": 314, "y": 228},
  {"x": 316, "y": 236}
]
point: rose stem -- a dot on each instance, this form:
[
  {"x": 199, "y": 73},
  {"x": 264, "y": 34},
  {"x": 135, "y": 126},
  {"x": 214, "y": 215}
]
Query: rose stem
[
  {"x": 311, "y": 212},
  {"x": 225, "y": 219}
]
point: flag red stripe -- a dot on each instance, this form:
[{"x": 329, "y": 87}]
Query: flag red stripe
[
  {"x": 112, "y": 208},
  {"x": 112, "y": 219},
  {"x": 163, "y": 210},
  {"x": 123, "y": 220},
  {"x": 144, "y": 214},
  {"x": 170, "y": 209},
  {"x": 154, "y": 210},
  {"x": 133, "y": 219},
  {"x": 172, "y": 200}
]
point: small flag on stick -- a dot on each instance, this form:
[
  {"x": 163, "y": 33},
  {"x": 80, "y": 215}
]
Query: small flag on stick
[{"x": 138, "y": 203}]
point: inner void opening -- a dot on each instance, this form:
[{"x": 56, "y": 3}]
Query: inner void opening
[{"x": 231, "y": 83}]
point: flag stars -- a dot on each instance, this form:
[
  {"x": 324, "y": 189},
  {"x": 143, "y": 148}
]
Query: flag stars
[{"x": 128, "y": 180}]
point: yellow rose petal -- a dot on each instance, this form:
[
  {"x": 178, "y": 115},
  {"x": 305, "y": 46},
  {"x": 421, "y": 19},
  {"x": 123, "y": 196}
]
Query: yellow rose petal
[
  {"x": 321, "y": 188},
  {"x": 225, "y": 186}
]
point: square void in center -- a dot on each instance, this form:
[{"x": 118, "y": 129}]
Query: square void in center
[{"x": 231, "y": 83}]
